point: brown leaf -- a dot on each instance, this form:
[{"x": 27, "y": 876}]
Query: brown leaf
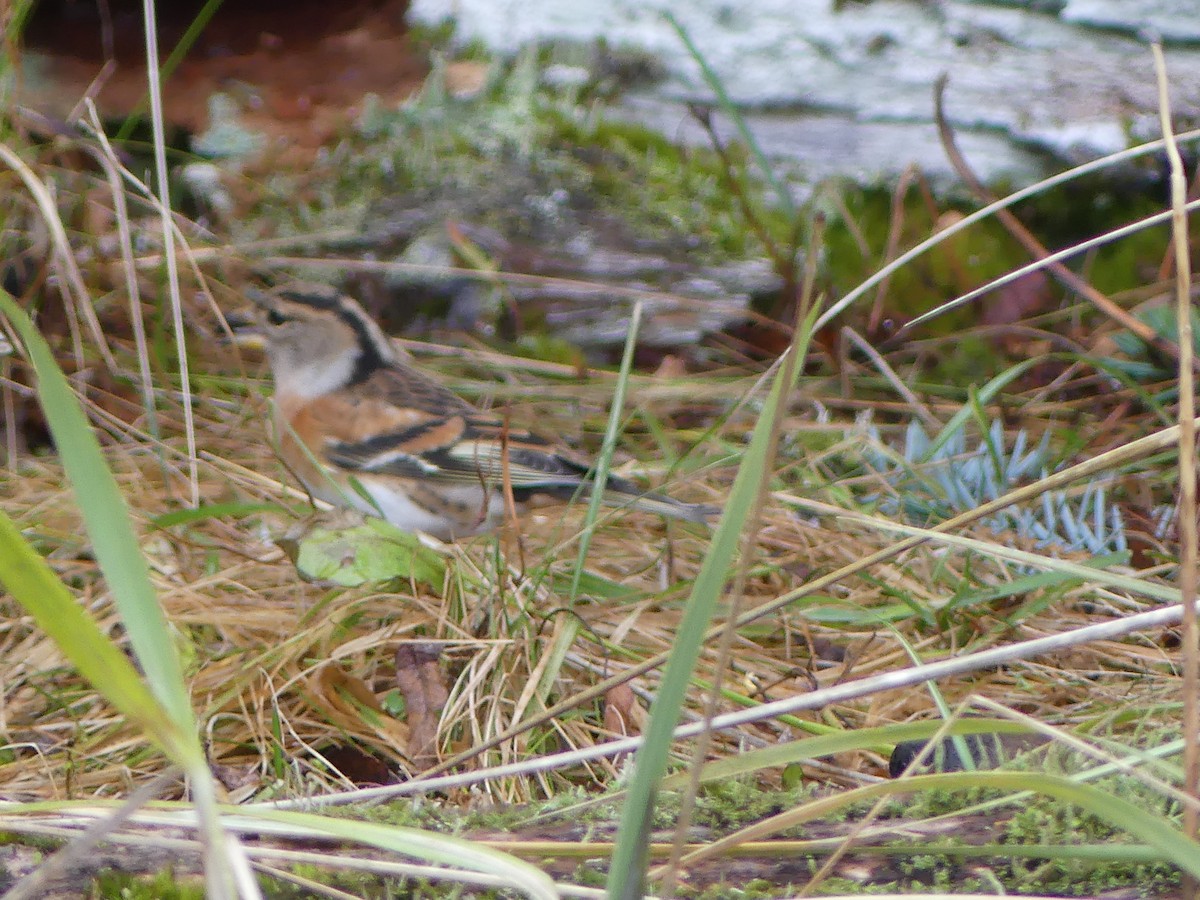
[
  {"x": 823, "y": 648},
  {"x": 336, "y": 684},
  {"x": 467, "y": 78},
  {"x": 236, "y": 778},
  {"x": 618, "y": 705},
  {"x": 346, "y": 701},
  {"x": 671, "y": 366},
  {"x": 621, "y": 711},
  {"x": 420, "y": 681}
]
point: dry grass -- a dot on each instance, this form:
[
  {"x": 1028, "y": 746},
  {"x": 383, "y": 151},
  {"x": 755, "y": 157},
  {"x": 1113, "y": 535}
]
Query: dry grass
[{"x": 271, "y": 660}]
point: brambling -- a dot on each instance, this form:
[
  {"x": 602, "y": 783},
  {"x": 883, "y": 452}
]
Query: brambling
[{"x": 362, "y": 428}]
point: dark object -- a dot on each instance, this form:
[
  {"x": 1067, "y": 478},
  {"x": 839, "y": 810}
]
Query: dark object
[{"x": 988, "y": 751}]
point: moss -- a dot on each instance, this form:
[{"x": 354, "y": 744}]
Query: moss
[
  {"x": 160, "y": 886},
  {"x": 736, "y": 802},
  {"x": 530, "y": 162},
  {"x": 1044, "y": 822},
  {"x": 661, "y": 188},
  {"x": 750, "y": 890}
]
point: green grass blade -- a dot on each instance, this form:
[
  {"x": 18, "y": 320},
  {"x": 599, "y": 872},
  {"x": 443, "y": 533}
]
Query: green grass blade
[
  {"x": 604, "y": 459},
  {"x": 107, "y": 519},
  {"x": 437, "y": 848},
  {"x": 627, "y": 875},
  {"x": 766, "y": 170},
  {"x": 194, "y": 30},
  {"x": 985, "y": 395},
  {"x": 32, "y": 583},
  {"x": 877, "y": 738}
]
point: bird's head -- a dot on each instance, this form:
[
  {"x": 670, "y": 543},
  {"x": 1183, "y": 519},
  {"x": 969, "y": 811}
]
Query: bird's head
[{"x": 316, "y": 339}]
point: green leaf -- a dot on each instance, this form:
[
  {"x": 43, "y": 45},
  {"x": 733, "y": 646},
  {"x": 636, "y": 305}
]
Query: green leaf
[
  {"x": 206, "y": 511},
  {"x": 365, "y": 553}
]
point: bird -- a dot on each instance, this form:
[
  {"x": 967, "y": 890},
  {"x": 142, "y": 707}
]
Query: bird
[{"x": 361, "y": 427}]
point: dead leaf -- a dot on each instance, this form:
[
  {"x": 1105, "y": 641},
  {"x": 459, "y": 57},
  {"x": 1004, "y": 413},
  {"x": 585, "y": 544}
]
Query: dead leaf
[
  {"x": 823, "y": 648},
  {"x": 346, "y": 701},
  {"x": 621, "y": 713},
  {"x": 236, "y": 779},
  {"x": 420, "y": 681},
  {"x": 467, "y": 78},
  {"x": 1016, "y": 302},
  {"x": 343, "y": 689}
]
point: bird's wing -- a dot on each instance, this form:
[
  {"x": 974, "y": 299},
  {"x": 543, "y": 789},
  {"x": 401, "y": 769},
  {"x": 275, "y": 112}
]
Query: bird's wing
[
  {"x": 406, "y": 388},
  {"x": 444, "y": 438}
]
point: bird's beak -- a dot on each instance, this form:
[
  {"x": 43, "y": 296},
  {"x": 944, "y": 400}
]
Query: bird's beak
[{"x": 245, "y": 329}]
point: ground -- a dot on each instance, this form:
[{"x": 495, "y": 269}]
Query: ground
[{"x": 500, "y": 205}]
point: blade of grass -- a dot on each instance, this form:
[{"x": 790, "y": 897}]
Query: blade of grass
[
  {"x": 792, "y": 365},
  {"x": 880, "y": 739},
  {"x": 839, "y": 693},
  {"x": 1033, "y": 190},
  {"x": 118, "y": 553},
  {"x": 1085, "y": 573},
  {"x": 168, "y": 239},
  {"x": 628, "y": 872},
  {"x": 612, "y": 433},
  {"x": 107, "y": 519},
  {"x": 440, "y": 848},
  {"x": 32, "y": 583},
  {"x": 64, "y": 257},
  {"x": 1189, "y": 559},
  {"x": 565, "y": 635},
  {"x": 1158, "y": 442},
  {"x": 38, "y": 882},
  {"x": 107, "y": 160},
  {"x": 766, "y": 170},
  {"x": 197, "y": 25},
  {"x": 10, "y": 57},
  {"x": 978, "y": 397}
]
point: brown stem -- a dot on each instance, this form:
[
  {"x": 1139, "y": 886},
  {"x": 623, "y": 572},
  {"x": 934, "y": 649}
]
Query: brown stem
[
  {"x": 1032, "y": 245},
  {"x": 782, "y": 258}
]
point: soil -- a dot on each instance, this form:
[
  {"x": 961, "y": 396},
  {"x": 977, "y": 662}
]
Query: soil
[{"x": 301, "y": 69}]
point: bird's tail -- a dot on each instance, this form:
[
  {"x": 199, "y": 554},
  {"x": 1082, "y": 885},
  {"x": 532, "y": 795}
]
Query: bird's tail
[{"x": 624, "y": 493}]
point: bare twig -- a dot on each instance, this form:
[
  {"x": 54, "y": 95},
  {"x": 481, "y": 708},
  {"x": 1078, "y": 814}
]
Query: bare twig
[
  {"x": 895, "y": 227},
  {"x": 703, "y": 116},
  {"x": 1188, "y": 559},
  {"x": 106, "y": 158},
  {"x": 168, "y": 239}
]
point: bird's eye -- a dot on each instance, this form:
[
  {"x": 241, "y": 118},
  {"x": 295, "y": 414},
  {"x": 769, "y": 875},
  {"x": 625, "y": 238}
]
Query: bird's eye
[{"x": 275, "y": 317}]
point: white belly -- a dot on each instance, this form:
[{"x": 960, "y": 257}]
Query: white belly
[{"x": 398, "y": 508}]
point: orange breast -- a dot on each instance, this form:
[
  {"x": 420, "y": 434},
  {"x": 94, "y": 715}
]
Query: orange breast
[{"x": 314, "y": 423}]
